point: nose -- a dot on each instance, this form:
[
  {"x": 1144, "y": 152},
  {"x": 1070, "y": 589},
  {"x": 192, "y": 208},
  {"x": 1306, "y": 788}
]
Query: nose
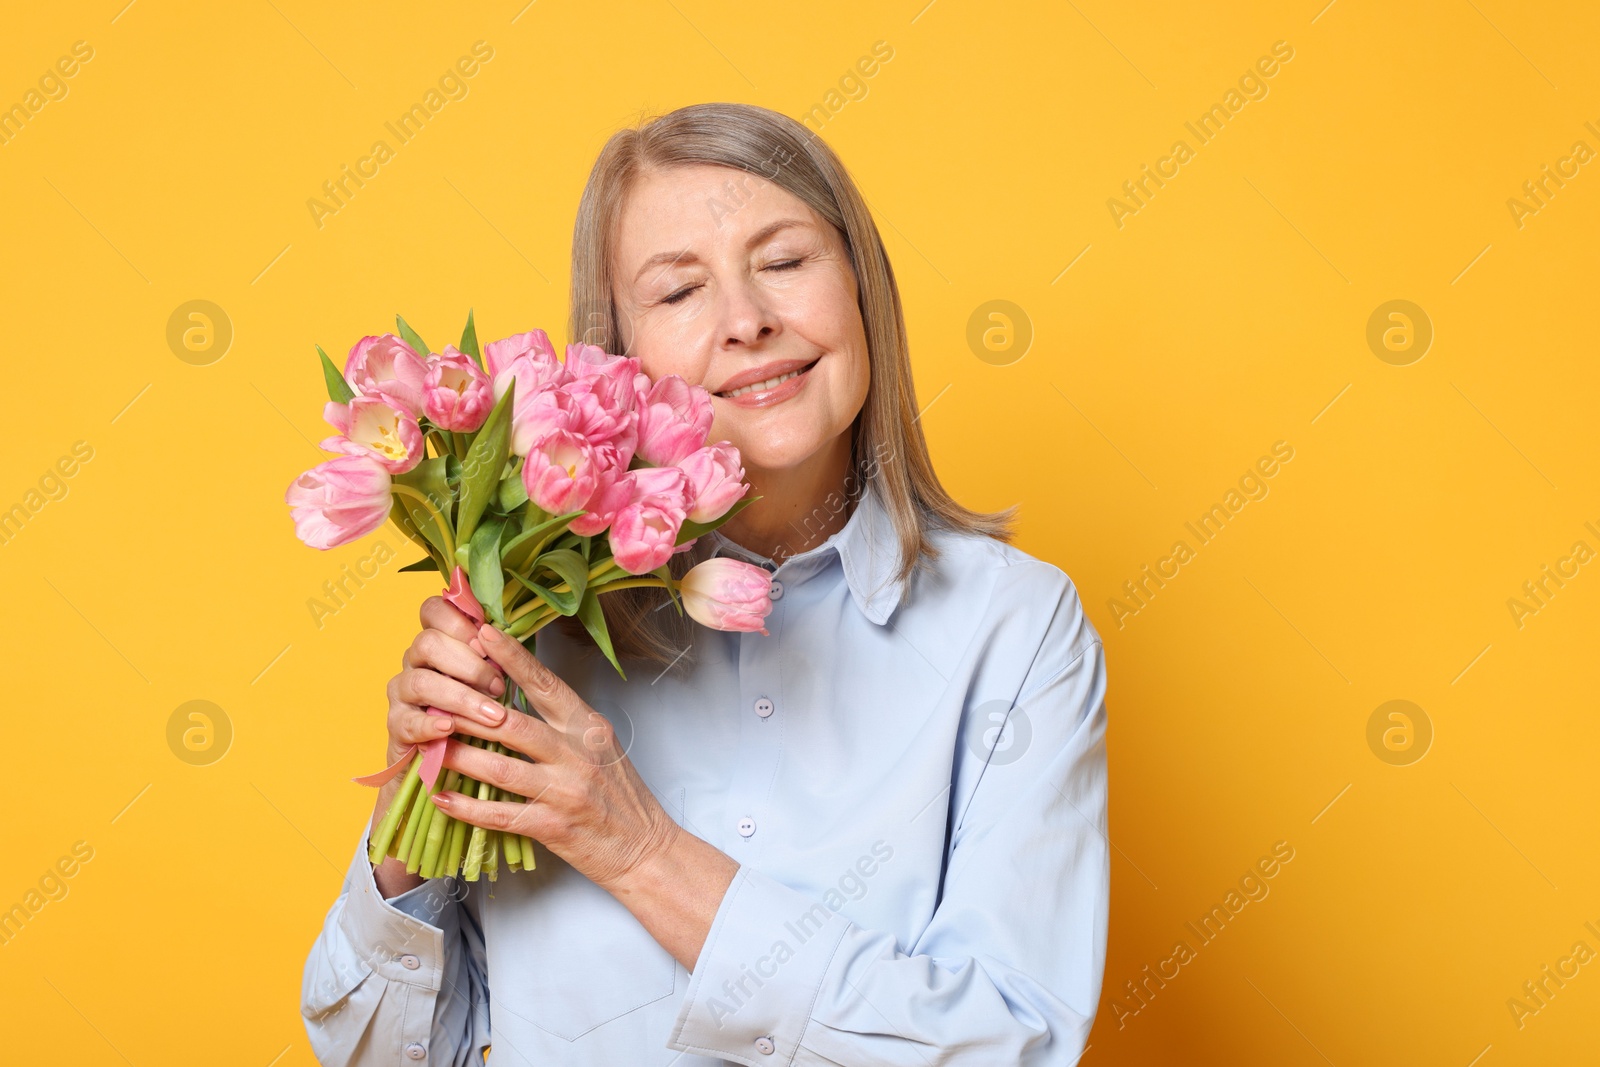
[{"x": 745, "y": 317}]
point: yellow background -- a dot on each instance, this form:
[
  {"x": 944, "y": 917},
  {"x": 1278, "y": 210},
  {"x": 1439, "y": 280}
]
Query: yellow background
[{"x": 1228, "y": 314}]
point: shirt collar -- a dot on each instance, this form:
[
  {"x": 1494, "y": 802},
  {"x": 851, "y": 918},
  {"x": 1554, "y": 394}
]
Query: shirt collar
[{"x": 868, "y": 548}]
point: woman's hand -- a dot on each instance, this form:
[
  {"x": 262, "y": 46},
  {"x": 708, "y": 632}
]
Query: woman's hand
[
  {"x": 443, "y": 667},
  {"x": 586, "y": 802}
]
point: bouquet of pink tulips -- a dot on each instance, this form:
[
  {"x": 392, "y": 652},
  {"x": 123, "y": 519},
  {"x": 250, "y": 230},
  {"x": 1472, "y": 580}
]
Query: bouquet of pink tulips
[{"x": 534, "y": 485}]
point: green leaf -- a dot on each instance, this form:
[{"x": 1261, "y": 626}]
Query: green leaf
[
  {"x": 612, "y": 573},
  {"x": 522, "y": 549},
  {"x": 469, "y": 340},
  {"x": 691, "y": 530},
  {"x": 564, "y": 602},
  {"x": 429, "y": 479},
  {"x": 512, "y": 494},
  {"x": 664, "y": 572},
  {"x": 568, "y": 566},
  {"x": 427, "y": 563},
  {"x": 481, "y": 470},
  {"x": 534, "y": 516},
  {"x": 594, "y": 620},
  {"x": 571, "y": 568},
  {"x": 409, "y": 336},
  {"x": 339, "y": 390},
  {"x": 483, "y": 567},
  {"x": 398, "y": 515}
]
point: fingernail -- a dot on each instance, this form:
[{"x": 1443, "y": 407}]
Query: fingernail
[
  {"x": 497, "y": 686},
  {"x": 441, "y": 799},
  {"x": 494, "y": 711},
  {"x": 444, "y": 726}
]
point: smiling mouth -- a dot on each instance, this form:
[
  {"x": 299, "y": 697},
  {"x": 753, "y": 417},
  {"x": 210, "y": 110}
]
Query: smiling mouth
[{"x": 770, "y": 383}]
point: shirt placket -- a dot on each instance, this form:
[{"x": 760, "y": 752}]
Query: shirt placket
[{"x": 761, "y": 704}]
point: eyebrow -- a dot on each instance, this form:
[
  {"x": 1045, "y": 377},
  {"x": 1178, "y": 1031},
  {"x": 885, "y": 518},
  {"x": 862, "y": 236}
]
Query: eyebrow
[{"x": 686, "y": 256}]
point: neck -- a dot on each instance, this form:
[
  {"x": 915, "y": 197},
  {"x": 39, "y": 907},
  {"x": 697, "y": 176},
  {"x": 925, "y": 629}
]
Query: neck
[{"x": 800, "y": 507}]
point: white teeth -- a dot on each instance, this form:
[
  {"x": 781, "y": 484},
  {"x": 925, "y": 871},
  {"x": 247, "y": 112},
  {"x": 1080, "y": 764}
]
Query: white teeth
[{"x": 770, "y": 383}]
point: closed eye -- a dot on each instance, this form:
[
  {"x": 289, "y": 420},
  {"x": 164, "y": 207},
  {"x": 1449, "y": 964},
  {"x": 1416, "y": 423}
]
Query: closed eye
[
  {"x": 677, "y": 297},
  {"x": 788, "y": 264}
]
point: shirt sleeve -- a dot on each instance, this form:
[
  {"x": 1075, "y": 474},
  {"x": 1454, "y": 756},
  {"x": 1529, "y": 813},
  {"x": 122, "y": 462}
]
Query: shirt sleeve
[
  {"x": 1008, "y": 971},
  {"x": 400, "y": 980}
]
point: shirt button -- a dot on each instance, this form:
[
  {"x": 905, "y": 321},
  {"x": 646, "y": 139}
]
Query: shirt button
[
  {"x": 416, "y": 1051},
  {"x": 410, "y": 963},
  {"x": 775, "y": 591},
  {"x": 747, "y": 826},
  {"x": 764, "y": 1045},
  {"x": 764, "y": 707}
]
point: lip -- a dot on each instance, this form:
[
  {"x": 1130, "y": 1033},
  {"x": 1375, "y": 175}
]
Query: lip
[
  {"x": 777, "y": 395},
  {"x": 775, "y": 369}
]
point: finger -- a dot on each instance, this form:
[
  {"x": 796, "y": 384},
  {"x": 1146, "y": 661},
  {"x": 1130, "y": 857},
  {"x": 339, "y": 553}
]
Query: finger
[
  {"x": 410, "y": 725},
  {"x": 439, "y": 614},
  {"x": 424, "y": 687},
  {"x": 492, "y": 814},
  {"x": 439, "y": 651},
  {"x": 527, "y": 734},
  {"x": 507, "y": 772},
  {"x": 545, "y": 690}
]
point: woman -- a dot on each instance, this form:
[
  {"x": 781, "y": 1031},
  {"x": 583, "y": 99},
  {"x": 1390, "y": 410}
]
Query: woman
[{"x": 872, "y": 835}]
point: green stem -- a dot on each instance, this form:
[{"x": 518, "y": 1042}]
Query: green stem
[
  {"x": 424, "y": 822},
  {"x": 476, "y": 850},
  {"x": 379, "y": 845},
  {"x": 438, "y": 827},
  {"x": 413, "y": 820},
  {"x": 438, "y": 519},
  {"x": 599, "y": 570},
  {"x": 491, "y": 863},
  {"x": 631, "y": 583},
  {"x": 458, "y": 840}
]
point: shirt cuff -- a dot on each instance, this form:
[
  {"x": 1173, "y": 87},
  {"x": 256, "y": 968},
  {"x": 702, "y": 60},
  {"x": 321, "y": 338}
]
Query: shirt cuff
[
  {"x": 401, "y": 938},
  {"x": 752, "y": 989}
]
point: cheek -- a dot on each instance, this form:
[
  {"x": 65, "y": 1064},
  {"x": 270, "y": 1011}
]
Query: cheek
[
  {"x": 826, "y": 315},
  {"x": 667, "y": 347}
]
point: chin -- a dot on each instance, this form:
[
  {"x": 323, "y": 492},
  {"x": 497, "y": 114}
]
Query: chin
[
  {"x": 767, "y": 455},
  {"x": 773, "y": 439}
]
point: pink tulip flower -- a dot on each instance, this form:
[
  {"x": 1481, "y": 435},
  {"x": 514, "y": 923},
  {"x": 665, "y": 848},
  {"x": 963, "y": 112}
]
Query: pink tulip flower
[
  {"x": 614, "y": 378},
  {"x": 615, "y": 492},
  {"x": 386, "y": 367},
  {"x": 585, "y": 361},
  {"x": 727, "y": 594},
  {"x": 339, "y": 501},
  {"x": 371, "y": 426},
  {"x": 562, "y": 472},
  {"x": 456, "y": 393},
  {"x": 530, "y": 360},
  {"x": 541, "y": 412},
  {"x": 715, "y": 480},
  {"x": 674, "y": 418},
  {"x": 645, "y": 531},
  {"x": 529, "y": 357},
  {"x": 600, "y": 417}
]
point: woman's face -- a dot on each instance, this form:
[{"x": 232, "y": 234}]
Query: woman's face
[{"x": 735, "y": 284}]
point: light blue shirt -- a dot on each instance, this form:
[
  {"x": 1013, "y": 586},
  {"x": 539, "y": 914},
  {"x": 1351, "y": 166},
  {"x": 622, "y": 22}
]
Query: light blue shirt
[{"x": 913, "y": 781}]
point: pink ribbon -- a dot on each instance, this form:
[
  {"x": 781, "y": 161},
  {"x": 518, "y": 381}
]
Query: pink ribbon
[{"x": 460, "y": 595}]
